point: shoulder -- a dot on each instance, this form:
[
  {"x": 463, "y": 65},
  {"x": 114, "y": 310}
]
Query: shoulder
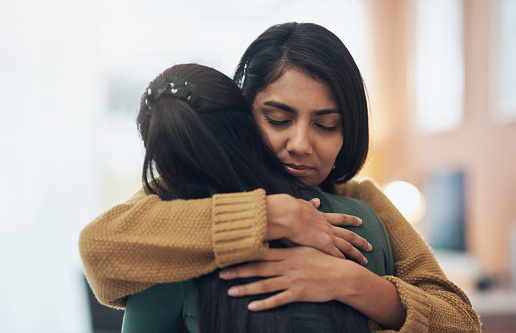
[
  {"x": 367, "y": 190},
  {"x": 355, "y": 207},
  {"x": 342, "y": 203},
  {"x": 360, "y": 189},
  {"x": 137, "y": 196}
]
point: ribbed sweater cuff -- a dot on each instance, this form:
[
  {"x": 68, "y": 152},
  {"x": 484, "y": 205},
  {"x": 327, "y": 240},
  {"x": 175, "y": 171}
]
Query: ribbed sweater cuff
[
  {"x": 239, "y": 227},
  {"x": 415, "y": 303}
]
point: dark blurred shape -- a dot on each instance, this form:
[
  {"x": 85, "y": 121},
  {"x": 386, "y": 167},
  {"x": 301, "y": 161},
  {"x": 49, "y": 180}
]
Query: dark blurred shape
[
  {"x": 485, "y": 283},
  {"x": 445, "y": 199},
  {"x": 103, "y": 319}
]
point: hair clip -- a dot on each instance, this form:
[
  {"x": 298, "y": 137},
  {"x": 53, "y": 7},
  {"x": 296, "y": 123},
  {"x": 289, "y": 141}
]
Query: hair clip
[{"x": 171, "y": 86}]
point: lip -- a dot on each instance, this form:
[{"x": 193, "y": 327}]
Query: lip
[{"x": 297, "y": 170}]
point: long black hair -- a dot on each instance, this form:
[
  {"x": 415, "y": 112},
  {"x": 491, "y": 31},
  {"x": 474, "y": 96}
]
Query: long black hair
[
  {"x": 319, "y": 53},
  {"x": 214, "y": 146},
  {"x": 196, "y": 150}
]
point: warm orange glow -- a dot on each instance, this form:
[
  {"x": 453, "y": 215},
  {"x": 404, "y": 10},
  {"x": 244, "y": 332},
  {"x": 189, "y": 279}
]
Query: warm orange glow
[{"x": 407, "y": 198}]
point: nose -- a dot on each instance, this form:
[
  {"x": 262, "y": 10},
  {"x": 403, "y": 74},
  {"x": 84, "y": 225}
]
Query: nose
[{"x": 300, "y": 141}]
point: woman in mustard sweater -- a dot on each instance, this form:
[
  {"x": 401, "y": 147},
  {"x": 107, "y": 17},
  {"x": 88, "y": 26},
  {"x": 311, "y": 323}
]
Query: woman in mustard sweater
[
  {"x": 201, "y": 137},
  {"x": 309, "y": 101}
]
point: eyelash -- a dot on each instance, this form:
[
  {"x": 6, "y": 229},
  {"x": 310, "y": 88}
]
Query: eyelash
[
  {"x": 276, "y": 122},
  {"x": 325, "y": 128},
  {"x": 284, "y": 122}
]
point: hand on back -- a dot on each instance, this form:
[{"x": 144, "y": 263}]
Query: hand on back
[
  {"x": 294, "y": 274},
  {"x": 299, "y": 222}
]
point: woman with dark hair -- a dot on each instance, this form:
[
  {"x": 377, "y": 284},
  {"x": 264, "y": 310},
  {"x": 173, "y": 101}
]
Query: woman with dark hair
[
  {"x": 201, "y": 138},
  {"x": 309, "y": 101}
]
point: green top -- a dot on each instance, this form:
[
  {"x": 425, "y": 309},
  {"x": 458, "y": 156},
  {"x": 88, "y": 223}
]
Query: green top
[
  {"x": 379, "y": 259},
  {"x": 167, "y": 307}
]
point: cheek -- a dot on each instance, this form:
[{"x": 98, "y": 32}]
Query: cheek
[
  {"x": 272, "y": 138},
  {"x": 334, "y": 149}
]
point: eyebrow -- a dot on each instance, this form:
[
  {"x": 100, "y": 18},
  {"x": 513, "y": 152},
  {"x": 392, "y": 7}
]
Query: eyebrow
[{"x": 289, "y": 109}]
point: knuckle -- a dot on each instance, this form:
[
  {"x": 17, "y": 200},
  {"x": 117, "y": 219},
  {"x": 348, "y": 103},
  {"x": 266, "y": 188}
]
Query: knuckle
[
  {"x": 300, "y": 293},
  {"x": 279, "y": 300},
  {"x": 289, "y": 280},
  {"x": 356, "y": 255},
  {"x": 352, "y": 237},
  {"x": 242, "y": 271},
  {"x": 243, "y": 290},
  {"x": 344, "y": 233},
  {"x": 365, "y": 243},
  {"x": 251, "y": 270},
  {"x": 347, "y": 247},
  {"x": 266, "y": 285},
  {"x": 329, "y": 227},
  {"x": 300, "y": 204},
  {"x": 234, "y": 272}
]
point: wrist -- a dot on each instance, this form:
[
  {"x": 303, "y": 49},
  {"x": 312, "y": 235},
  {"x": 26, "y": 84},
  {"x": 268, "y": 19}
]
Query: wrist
[
  {"x": 374, "y": 296},
  {"x": 347, "y": 273},
  {"x": 277, "y": 209}
]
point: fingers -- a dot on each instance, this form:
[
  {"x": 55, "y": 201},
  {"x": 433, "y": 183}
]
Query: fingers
[
  {"x": 336, "y": 252},
  {"x": 263, "y": 287},
  {"x": 271, "y": 302},
  {"x": 256, "y": 288},
  {"x": 299, "y": 222},
  {"x": 348, "y": 242},
  {"x": 258, "y": 269},
  {"x": 296, "y": 278},
  {"x": 351, "y": 252},
  {"x": 265, "y": 268},
  {"x": 343, "y": 219},
  {"x": 275, "y": 254},
  {"x": 287, "y": 242},
  {"x": 354, "y": 239},
  {"x": 316, "y": 202},
  {"x": 324, "y": 239},
  {"x": 331, "y": 248}
]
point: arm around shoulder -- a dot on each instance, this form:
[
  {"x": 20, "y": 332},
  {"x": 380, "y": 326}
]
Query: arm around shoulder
[
  {"x": 146, "y": 240},
  {"x": 432, "y": 302}
]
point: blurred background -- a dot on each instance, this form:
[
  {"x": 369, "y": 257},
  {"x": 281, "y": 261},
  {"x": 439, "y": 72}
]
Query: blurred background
[{"x": 441, "y": 78}]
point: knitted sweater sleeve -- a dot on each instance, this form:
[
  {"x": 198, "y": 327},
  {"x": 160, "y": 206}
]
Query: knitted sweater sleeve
[
  {"x": 432, "y": 302},
  {"x": 146, "y": 240}
]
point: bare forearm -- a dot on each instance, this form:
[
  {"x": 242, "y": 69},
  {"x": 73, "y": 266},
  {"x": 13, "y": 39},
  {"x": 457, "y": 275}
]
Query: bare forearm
[
  {"x": 432, "y": 302},
  {"x": 295, "y": 273},
  {"x": 375, "y": 297}
]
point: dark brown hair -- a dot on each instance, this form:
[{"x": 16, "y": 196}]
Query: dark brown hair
[
  {"x": 215, "y": 146},
  {"x": 196, "y": 148},
  {"x": 319, "y": 53}
]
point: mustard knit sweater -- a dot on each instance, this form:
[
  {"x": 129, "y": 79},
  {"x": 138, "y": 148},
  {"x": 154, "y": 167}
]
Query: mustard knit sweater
[{"x": 145, "y": 241}]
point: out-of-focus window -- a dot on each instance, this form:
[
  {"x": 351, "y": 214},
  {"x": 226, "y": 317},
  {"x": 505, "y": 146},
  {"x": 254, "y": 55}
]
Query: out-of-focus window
[
  {"x": 503, "y": 61},
  {"x": 439, "y": 65}
]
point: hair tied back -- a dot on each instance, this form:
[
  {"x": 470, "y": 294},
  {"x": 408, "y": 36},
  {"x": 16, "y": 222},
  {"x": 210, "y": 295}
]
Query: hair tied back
[{"x": 171, "y": 86}]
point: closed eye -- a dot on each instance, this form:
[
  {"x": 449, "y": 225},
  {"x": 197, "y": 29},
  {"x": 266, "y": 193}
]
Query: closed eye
[
  {"x": 276, "y": 122},
  {"x": 326, "y": 128}
]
